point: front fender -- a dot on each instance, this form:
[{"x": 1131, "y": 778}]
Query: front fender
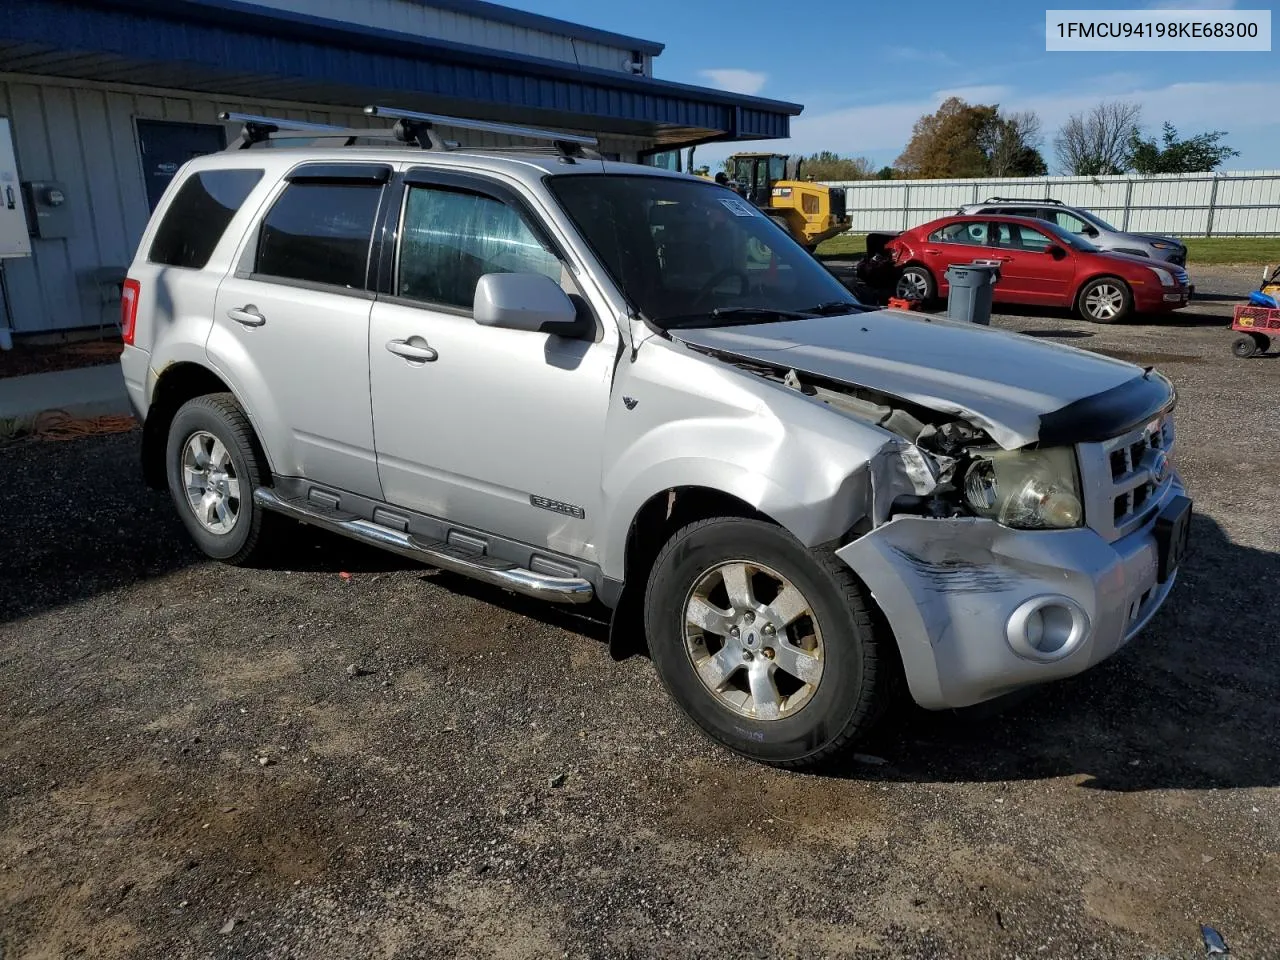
[{"x": 696, "y": 422}]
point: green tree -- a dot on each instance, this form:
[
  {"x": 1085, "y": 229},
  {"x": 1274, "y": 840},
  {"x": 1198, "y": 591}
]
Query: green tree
[
  {"x": 1198, "y": 154},
  {"x": 886, "y": 173},
  {"x": 828, "y": 165},
  {"x": 973, "y": 140}
]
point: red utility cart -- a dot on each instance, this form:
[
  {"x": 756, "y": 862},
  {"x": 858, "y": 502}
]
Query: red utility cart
[{"x": 1256, "y": 326}]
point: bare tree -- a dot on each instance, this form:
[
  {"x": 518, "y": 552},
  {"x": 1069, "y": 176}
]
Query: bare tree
[
  {"x": 1014, "y": 147},
  {"x": 1097, "y": 143}
]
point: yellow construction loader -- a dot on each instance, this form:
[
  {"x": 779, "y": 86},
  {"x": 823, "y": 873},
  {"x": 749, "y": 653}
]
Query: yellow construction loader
[{"x": 810, "y": 212}]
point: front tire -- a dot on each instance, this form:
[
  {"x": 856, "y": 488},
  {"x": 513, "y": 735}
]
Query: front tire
[
  {"x": 770, "y": 648},
  {"x": 213, "y": 465},
  {"x": 1105, "y": 300}
]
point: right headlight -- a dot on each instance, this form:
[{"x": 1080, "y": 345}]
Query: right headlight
[{"x": 1027, "y": 489}]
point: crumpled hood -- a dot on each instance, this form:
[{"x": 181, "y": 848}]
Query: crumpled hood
[{"x": 999, "y": 381}]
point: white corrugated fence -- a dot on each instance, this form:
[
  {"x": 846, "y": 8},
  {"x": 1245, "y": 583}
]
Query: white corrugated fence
[{"x": 1243, "y": 203}]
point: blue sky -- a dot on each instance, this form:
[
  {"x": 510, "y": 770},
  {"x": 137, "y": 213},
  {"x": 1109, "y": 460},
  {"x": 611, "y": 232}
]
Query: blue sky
[{"x": 866, "y": 70}]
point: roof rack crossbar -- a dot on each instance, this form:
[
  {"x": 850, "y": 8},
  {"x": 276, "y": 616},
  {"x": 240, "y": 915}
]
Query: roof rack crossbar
[
  {"x": 258, "y": 129},
  {"x": 1058, "y": 203},
  {"x": 415, "y": 127}
]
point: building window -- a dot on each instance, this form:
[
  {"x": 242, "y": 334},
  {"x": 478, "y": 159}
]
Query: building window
[
  {"x": 450, "y": 239},
  {"x": 319, "y": 233},
  {"x": 198, "y": 216}
]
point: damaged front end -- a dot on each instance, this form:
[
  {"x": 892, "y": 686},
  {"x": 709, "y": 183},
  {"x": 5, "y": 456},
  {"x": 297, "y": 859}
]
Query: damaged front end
[{"x": 977, "y": 548}]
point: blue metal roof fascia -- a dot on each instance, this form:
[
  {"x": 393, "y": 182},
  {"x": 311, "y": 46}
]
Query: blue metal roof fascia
[
  {"x": 538, "y": 21},
  {"x": 87, "y": 26}
]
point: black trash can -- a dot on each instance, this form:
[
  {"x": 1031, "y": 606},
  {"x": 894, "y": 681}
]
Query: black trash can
[{"x": 972, "y": 287}]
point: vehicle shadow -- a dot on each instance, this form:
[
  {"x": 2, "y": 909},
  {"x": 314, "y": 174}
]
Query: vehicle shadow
[{"x": 1192, "y": 703}]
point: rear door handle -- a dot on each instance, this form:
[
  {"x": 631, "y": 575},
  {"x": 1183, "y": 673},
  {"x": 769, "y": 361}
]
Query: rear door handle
[
  {"x": 248, "y": 315},
  {"x": 420, "y": 352}
]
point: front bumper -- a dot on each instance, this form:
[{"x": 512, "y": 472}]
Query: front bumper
[
  {"x": 950, "y": 588},
  {"x": 1158, "y": 298}
]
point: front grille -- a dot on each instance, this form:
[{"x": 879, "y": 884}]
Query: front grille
[{"x": 1125, "y": 477}]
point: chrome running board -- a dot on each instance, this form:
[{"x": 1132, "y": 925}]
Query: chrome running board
[{"x": 433, "y": 552}]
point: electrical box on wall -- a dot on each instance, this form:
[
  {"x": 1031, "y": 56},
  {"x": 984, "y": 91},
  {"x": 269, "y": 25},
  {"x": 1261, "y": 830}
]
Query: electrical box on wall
[
  {"x": 47, "y": 209},
  {"x": 15, "y": 238}
]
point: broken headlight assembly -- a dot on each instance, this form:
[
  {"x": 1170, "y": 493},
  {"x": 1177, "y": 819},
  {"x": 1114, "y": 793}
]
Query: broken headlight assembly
[{"x": 1026, "y": 489}]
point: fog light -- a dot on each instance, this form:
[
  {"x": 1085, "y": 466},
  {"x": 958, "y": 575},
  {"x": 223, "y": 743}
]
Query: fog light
[{"x": 1047, "y": 628}]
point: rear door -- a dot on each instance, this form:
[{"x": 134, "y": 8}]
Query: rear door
[
  {"x": 291, "y": 324},
  {"x": 1029, "y": 272},
  {"x": 962, "y": 241}
]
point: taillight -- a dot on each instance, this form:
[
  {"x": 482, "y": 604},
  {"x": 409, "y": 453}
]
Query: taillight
[{"x": 129, "y": 309}]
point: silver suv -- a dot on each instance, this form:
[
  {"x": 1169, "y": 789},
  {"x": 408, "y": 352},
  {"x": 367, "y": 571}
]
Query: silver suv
[
  {"x": 1092, "y": 227},
  {"x": 589, "y": 381}
]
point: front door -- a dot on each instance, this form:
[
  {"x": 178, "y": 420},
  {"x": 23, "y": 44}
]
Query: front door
[
  {"x": 165, "y": 146},
  {"x": 291, "y": 326},
  {"x": 1029, "y": 272},
  {"x": 495, "y": 429}
]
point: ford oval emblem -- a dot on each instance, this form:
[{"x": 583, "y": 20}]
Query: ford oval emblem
[{"x": 1160, "y": 468}]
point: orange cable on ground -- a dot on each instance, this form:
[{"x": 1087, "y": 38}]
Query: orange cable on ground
[{"x": 60, "y": 425}]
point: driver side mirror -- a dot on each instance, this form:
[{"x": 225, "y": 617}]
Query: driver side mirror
[
  {"x": 1055, "y": 251},
  {"x": 530, "y": 302},
  {"x": 1089, "y": 231}
]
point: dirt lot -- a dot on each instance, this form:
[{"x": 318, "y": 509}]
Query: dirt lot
[{"x": 188, "y": 769}]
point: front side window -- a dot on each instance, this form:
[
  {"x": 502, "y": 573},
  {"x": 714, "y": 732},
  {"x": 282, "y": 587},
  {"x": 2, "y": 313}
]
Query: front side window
[
  {"x": 969, "y": 232},
  {"x": 689, "y": 253},
  {"x": 450, "y": 239},
  {"x": 1069, "y": 222},
  {"x": 199, "y": 215},
  {"x": 1017, "y": 236},
  {"x": 319, "y": 232}
]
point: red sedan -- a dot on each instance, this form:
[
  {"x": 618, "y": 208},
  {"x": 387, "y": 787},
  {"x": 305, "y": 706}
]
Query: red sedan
[{"x": 1040, "y": 264}]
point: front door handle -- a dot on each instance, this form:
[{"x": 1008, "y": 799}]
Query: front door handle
[
  {"x": 248, "y": 315},
  {"x": 420, "y": 352}
]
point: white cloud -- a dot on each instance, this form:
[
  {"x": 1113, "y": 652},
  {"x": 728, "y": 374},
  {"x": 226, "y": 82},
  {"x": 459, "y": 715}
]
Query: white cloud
[
  {"x": 916, "y": 55},
  {"x": 736, "y": 81},
  {"x": 1192, "y": 5},
  {"x": 1193, "y": 107}
]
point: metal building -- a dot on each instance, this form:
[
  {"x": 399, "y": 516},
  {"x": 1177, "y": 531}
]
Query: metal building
[{"x": 103, "y": 102}]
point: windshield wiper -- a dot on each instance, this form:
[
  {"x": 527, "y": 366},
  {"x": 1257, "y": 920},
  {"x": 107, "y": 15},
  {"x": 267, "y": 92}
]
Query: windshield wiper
[
  {"x": 732, "y": 316},
  {"x": 833, "y": 307}
]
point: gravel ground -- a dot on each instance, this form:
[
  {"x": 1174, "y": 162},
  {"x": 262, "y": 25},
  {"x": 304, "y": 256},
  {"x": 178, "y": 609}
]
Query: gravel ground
[{"x": 189, "y": 769}]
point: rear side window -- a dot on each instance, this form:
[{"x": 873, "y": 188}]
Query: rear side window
[
  {"x": 451, "y": 239},
  {"x": 319, "y": 233},
  {"x": 968, "y": 231},
  {"x": 198, "y": 216}
]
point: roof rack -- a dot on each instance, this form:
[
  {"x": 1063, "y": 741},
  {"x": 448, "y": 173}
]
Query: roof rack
[
  {"x": 411, "y": 128},
  {"x": 1058, "y": 203}
]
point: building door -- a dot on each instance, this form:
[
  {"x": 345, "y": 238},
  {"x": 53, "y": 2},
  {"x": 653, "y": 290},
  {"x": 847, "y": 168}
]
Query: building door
[{"x": 166, "y": 146}]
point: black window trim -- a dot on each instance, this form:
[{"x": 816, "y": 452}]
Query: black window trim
[
  {"x": 333, "y": 177},
  {"x": 387, "y": 234},
  {"x": 372, "y": 174},
  {"x": 260, "y": 171}
]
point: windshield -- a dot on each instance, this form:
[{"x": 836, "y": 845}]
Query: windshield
[
  {"x": 1097, "y": 221},
  {"x": 689, "y": 253}
]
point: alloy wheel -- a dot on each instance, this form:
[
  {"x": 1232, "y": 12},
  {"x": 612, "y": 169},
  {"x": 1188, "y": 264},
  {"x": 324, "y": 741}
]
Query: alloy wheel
[
  {"x": 1104, "y": 301},
  {"x": 210, "y": 481},
  {"x": 753, "y": 639}
]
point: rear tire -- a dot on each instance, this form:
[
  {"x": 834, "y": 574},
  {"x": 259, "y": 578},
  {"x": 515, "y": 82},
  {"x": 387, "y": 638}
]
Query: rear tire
[
  {"x": 798, "y": 610},
  {"x": 916, "y": 283},
  {"x": 213, "y": 464},
  {"x": 1105, "y": 300}
]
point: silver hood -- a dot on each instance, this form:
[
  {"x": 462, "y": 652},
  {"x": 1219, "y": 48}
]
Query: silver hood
[{"x": 1002, "y": 382}]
